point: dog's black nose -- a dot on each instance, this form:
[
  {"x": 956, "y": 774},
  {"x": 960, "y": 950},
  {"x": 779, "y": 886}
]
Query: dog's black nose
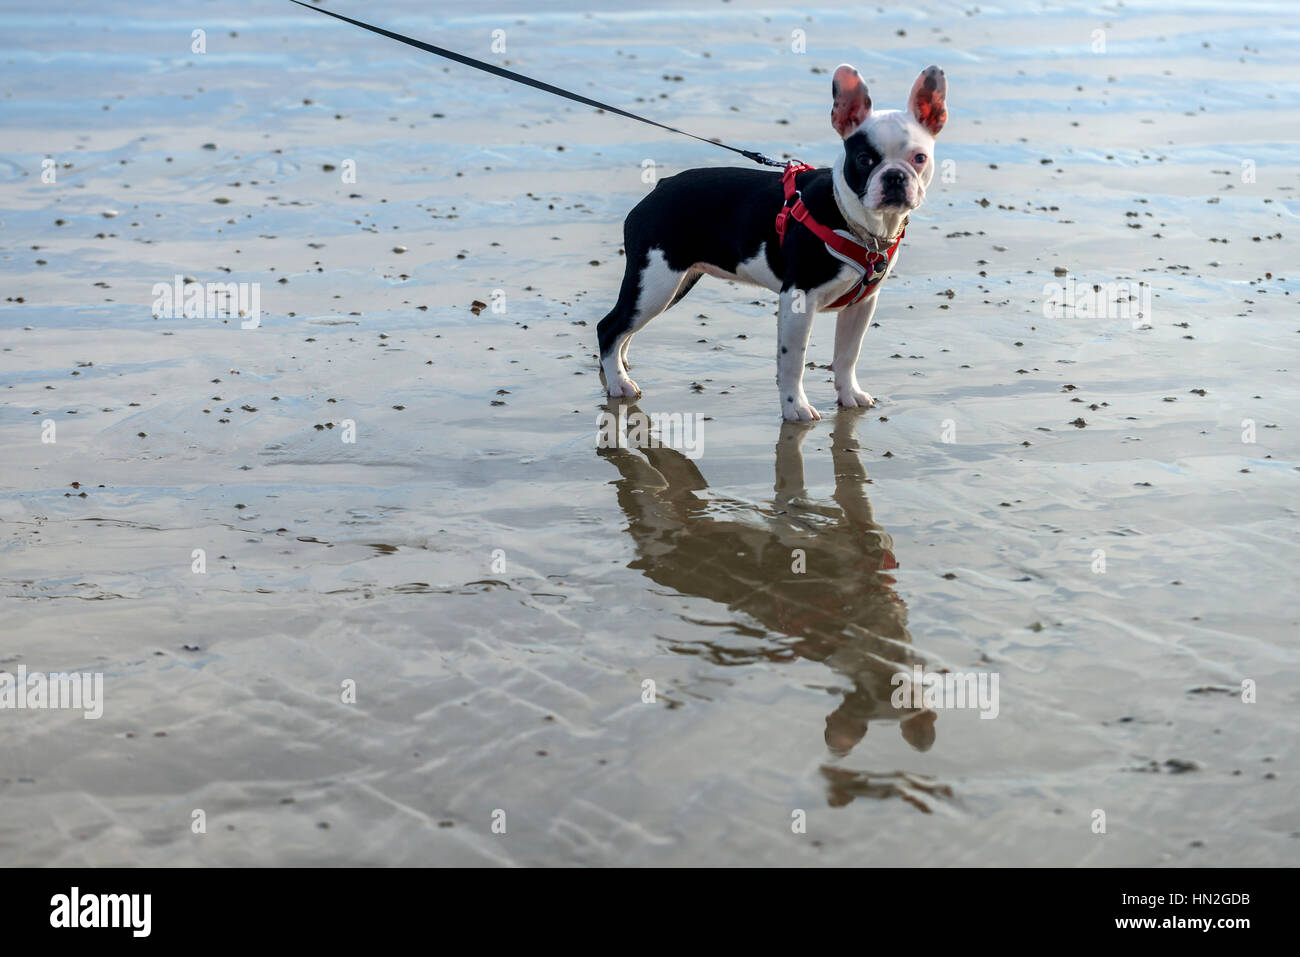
[{"x": 893, "y": 179}]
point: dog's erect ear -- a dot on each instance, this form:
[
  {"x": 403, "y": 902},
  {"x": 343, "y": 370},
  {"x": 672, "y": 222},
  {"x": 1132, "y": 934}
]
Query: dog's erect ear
[
  {"x": 851, "y": 105},
  {"x": 929, "y": 100}
]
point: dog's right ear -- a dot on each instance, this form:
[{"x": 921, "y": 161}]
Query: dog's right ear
[{"x": 851, "y": 105}]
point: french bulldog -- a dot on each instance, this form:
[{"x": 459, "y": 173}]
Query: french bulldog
[{"x": 723, "y": 222}]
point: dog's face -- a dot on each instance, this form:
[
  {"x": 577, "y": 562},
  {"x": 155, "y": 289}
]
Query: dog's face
[{"x": 888, "y": 154}]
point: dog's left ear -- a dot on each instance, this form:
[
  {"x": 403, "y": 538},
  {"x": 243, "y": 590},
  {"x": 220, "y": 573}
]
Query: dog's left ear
[{"x": 929, "y": 100}]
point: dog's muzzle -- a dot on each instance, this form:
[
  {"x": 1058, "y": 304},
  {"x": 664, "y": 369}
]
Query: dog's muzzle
[{"x": 893, "y": 188}]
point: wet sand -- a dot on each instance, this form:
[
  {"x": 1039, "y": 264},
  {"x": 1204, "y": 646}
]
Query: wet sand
[{"x": 499, "y": 588}]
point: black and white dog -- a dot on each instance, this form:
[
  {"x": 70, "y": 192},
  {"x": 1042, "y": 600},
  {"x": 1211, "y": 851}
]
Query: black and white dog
[{"x": 722, "y": 222}]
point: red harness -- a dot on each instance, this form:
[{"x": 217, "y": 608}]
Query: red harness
[{"x": 871, "y": 263}]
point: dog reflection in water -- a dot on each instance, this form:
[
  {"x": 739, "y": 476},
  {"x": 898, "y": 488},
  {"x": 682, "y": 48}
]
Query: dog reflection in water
[{"x": 816, "y": 573}]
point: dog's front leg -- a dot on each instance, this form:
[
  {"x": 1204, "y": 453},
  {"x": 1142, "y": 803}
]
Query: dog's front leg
[
  {"x": 850, "y": 327},
  {"x": 793, "y": 324}
]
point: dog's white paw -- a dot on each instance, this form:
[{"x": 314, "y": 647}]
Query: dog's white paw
[
  {"x": 623, "y": 388},
  {"x": 800, "y": 411},
  {"x": 854, "y": 397}
]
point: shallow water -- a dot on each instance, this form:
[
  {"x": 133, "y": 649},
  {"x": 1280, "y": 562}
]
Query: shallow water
[{"x": 499, "y": 589}]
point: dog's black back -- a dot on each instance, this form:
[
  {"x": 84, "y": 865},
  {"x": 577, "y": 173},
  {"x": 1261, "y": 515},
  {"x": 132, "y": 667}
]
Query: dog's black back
[{"x": 721, "y": 217}]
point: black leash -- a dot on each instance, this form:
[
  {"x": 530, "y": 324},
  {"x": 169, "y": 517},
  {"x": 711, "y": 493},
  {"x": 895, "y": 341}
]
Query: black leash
[{"x": 536, "y": 84}]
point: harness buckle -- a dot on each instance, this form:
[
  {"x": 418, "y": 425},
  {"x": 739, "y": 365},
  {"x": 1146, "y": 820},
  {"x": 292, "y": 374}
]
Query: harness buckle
[{"x": 783, "y": 217}]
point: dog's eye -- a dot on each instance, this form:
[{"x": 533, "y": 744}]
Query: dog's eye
[
  {"x": 918, "y": 159},
  {"x": 863, "y": 160}
]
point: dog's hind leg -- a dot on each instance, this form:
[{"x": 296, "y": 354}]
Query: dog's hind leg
[
  {"x": 689, "y": 279},
  {"x": 649, "y": 287}
]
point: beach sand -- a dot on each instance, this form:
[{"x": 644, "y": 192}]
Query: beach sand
[{"x": 1100, "y": 512}]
